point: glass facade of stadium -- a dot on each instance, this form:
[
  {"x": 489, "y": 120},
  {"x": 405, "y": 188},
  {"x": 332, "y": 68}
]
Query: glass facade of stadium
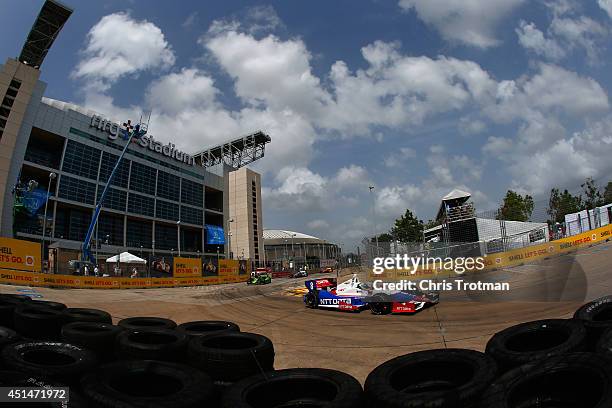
[{"x": 158, "y": 196}]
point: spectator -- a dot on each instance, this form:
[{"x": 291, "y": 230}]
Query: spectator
[
  {"x": 117, "y": 270},
  {"x": 86, "y": 270},
  {"x": 134, "y": 273},
  {"x": 96, "y": 270}
]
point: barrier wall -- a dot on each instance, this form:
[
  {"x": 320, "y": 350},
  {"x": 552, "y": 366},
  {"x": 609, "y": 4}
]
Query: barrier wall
[{"x": 23, "y": 254}]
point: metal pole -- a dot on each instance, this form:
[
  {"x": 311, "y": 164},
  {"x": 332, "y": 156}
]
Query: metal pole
[
  {"x": 178, "y": 237},
  {"x": 374, "y": 217},
  {"x": 44, "y": 226}
]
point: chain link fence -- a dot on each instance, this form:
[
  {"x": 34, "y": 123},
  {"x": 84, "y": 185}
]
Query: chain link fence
[{"x": 462, "y": 231}]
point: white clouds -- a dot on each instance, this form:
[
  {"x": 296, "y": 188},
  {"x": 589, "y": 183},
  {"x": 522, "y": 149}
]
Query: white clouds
[
  {"x": 567, "y": 161},
  {"x": 393, "y": 201},
  {"x": 533, "y": 39},
  {"x": 119, "y": 45},
  {"x": 400, "y": 158},
  {"x": 269, "y": 72},
  {"x": 184, "y": 90},
  {"x": 351, "y": 176},
  {"x": 262, "y": 18},
  {"x": 470, "y": 22},
  {"x": 567, "y": 32},
  {"x": 606, "y": 5},
  {"x": 318, "y": 225}
]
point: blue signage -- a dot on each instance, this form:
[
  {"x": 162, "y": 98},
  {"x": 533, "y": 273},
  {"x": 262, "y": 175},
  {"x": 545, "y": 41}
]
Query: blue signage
[
  {"x": 215, "y": 235},
  {"x": 33, "y": 200}
]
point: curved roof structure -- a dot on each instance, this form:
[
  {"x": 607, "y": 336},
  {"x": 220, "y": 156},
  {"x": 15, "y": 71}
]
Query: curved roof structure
[{"x": 275, "y": 236}]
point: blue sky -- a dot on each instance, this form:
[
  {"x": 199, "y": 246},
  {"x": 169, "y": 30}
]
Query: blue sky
[{"x": 415, "y": 97}]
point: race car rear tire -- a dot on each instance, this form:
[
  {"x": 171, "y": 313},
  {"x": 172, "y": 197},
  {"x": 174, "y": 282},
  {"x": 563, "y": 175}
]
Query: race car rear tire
[
  {"x": 206, "y": 328},
  {"x": 61, "y": 362},
  {"x": 140, "y": 323},
  {"x": 526, "y": 342},
  {"x": 144, "y": 383},
  {"x": 232, "y": 356},
  {"x": 572, "y": 380},
  {"x": 432, "y": 378},
  {"x": 597, "y": 318},
  {"x": 296, "y": 387},
  {"x": 310, "y": 299},
  {"x": 380, "y": 308}
]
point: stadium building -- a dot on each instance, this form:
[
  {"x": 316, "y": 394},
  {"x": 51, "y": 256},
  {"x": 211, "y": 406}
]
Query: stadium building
[
  {"x": 163, "y": 201},
  {"x": 290, "y": 249}
]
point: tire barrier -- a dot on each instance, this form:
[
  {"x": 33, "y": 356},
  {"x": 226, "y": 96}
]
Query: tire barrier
[
  {"x": 152, "y": 344},
  {"x": 207, "y": 327},
  {"x": 139, "y": 323},
  {"x": 152, "y": 362},
  {"x": 78, "y": 314},
  {"x": 527, "y": 342},
  {"x": 92, "y": 335},
  {"x": 8, "y": 304},
  {"x": 297, "y": 387},
  {"x": 436, "y": 378},
  {"x": 232, "y": 356},
  {"x": 48, "y": 303},
  {"x": 597, "y": 318}
]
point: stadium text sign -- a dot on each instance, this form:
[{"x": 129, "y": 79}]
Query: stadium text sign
[
  {"x": 168, "y": 150},
  {"x": 18, "y": 255}
]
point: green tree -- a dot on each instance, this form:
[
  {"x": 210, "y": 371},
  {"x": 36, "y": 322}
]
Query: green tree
[
  {"x": 593, "y": 197},
  {"x": 516, "y": 207},
  {"x": 384, "y": 237},
  {"x": 607, "y": 195},
  {"x": 561, "y": 204},
  {"x": 408, "y": 228}
]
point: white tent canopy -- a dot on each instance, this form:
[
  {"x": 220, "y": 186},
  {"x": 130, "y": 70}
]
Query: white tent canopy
[{"x": 126, "y": 257}]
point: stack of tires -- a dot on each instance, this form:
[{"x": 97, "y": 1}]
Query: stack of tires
[
  {"x": 545, "y": 363},
  {"x": 151, "y": 362}
]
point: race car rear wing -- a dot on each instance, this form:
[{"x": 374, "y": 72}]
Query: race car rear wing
[{"x": 321, "y": 283}]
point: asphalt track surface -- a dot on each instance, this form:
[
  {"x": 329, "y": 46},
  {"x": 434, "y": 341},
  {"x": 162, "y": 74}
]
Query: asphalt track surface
[{"x": 358, "y": 342}]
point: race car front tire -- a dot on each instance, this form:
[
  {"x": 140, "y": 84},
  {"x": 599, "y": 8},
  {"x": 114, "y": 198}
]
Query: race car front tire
[
  {"x": 296, "y": 387},
  {"x": 432, "y": 378},
  {"x": 310, "y": 300}
]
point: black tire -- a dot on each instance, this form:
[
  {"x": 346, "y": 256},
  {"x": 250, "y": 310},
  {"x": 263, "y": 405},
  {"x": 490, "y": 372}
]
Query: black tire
[
  {"x": 432, "y": 378},
  {"x": 8, "y": 304},
  {"x": 10, "y": 378},
  {"x": 147, "y": 384},
  {"x": 206, "y": 327},
  {"x": 310, "y": 300},
  {"x": 60, "y": 362},
  {"x": 140, "y": 323},
  {"x": 526, "y": 342},
  {"x": 152, "y": 344},
  {"x": 597, "y": 318},
  {"x": 8, "y": 336},
  {"x": 380, "y": 308},
  {"x": 296, "y": 387},
  {"x": 19, "y": 297},
  {"x": 79, "y": 314},
  {"x": 97, "y": 337},
  {"x": 232, "y": 356},
  {"x": 47, "y": 303},
  {"x": 38, "y": 322},
  {"x": 573, "y": 380}
]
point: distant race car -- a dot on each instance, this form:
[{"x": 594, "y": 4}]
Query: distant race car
[
  {"x": 300, "y": 274},
  {"x": 353, "y": 295},
  {"x": 259, "y": 278}
]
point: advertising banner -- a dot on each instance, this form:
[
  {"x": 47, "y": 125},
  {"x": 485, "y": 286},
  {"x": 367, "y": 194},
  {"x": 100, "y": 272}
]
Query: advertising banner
[
  {"x": 187, "y": 267},
  {"x": 19, "y": 255},
  {"x": 228, "y": 267},
  {"x": 214, "y": 235}
]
